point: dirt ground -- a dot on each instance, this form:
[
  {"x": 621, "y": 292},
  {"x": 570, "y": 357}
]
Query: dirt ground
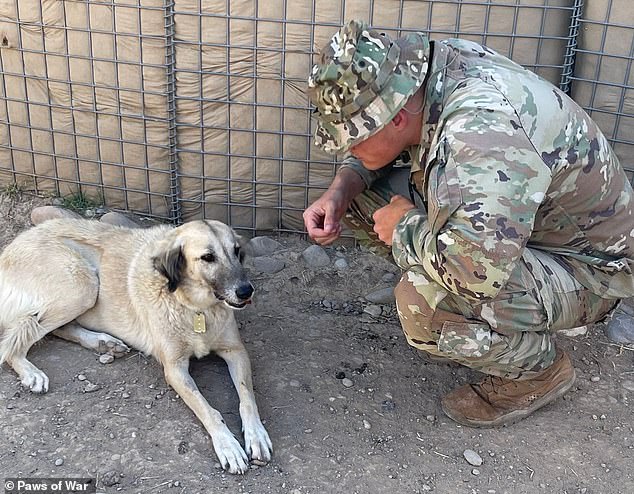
[{"x": 306, "y": 332}]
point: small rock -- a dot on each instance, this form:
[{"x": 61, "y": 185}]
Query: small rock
[
  {"x": 106, "y": 358},
  {"x": 294, "y": 383},
  {"x": 182, "y": 448},
  {"x": 595, "y": 379},
  {"x": 10, "y": 406},
  {"x": 621, "y": 328},
  {"x": 262, "y": 246},
  {"x": 366, "y": 425},
  {"x": 572, "y": 332},
  {"x": 115, "y": 457},
  {"x": 388, "y": 405},
  {"x": 341, "y": 264},
  {"x": 119, "y": 219},
  {"x": 316, "y": 257},
  {"x": 347, "y": 382},
  {"x": 43, "y": 213},
  {"x": 255, "y": 461},
  {"x": 81, "y": 377},
  {"x": 90, "y": 387},
  {"x": 431, "y": 418},
  {"x": 125, "y": 395},
  {"x": 475, "y": 471},
  {"x": 308, "y": 431},
  {"x": 373, "y": 310},
  {"x": 472, "y": 457},
  {"x": 59, "y": 462},
  {"x": 110, "y": 478},
  {"x": 388, "y": 277},
  {"x": 268, "y": 265},
  {"x": 383, "y": 296}
]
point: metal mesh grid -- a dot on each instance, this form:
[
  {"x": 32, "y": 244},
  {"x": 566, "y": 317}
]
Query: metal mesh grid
[
  {"x": 603, "y": 82},
  {"x": 265, "y": 171},
  {"x": 84, "y": 105},
  {"x": 183, "y": 109}
]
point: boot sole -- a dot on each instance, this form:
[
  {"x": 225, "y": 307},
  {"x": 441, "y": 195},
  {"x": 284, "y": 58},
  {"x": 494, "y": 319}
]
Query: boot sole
[{"x": 516, "y": 415}]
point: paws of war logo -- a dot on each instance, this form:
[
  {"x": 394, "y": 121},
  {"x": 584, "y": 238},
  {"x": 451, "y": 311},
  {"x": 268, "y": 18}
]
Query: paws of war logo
[{"x": 49, "y": 485}]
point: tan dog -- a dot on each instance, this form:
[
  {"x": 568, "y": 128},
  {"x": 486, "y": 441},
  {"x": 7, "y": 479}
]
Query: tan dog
[{"x": 169, "y": 292}]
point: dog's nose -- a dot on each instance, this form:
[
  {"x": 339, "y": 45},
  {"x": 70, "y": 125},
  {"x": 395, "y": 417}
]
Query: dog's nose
[{"x": 244, "y": 291}]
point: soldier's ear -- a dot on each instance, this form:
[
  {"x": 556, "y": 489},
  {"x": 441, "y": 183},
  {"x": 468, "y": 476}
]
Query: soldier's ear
[{"x": 400, "y": 119}]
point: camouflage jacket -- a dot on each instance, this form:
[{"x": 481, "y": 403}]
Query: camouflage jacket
[{"x": 507, "y": 161}]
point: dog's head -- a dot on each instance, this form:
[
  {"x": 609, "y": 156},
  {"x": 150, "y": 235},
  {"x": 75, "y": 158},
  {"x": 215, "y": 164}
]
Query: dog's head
[{"x": 204, "y": 260}]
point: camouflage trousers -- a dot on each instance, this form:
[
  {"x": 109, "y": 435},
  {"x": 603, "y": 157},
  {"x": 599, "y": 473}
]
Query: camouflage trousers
[{"x": 509, "y": 336}]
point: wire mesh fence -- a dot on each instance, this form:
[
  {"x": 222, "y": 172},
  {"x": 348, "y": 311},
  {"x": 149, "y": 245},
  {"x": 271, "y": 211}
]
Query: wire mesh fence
[
  {"x": 603, "y": 81},
  {"x": 83, "y": 101},
  {"x": 182, "y": 109}
]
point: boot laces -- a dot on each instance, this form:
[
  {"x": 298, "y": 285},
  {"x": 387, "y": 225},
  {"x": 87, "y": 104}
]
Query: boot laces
[
  {"x": 491, "y": 384},
  {"x": 495, "y": 388}
]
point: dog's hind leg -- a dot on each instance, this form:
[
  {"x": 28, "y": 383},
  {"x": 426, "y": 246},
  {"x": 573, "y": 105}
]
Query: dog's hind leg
[
  {"x": 93, "y": 340},
  {"x": 13, "y": 349},
  {"x": 17, "y": 342},
  {"x": 40, "y": 311}
]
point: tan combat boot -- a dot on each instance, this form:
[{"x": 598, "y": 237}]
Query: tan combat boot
[{"x": 498, "y": 401}]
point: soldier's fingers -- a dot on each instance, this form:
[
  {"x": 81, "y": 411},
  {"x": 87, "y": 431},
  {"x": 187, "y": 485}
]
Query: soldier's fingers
[
  {"x": 313, "y": 220},
  {"x": 326, "y": 240}
]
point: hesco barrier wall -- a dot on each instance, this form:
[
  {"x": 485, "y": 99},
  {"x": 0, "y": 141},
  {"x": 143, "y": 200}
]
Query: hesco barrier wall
[
  {"x": 187, "y": 109},
  {"x": 603, "y": 80}
]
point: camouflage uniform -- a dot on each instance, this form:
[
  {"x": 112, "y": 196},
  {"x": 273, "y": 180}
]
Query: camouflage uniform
[{"x": 529, "y": 224}]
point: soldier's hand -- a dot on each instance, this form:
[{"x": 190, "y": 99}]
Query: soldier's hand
[
  {"x": 322, "y": 218},
  {"x": 386, "y": 218}
]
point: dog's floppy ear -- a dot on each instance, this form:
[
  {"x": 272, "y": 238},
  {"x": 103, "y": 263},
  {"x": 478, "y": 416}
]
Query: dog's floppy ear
[{"x": 171, "y": 264}]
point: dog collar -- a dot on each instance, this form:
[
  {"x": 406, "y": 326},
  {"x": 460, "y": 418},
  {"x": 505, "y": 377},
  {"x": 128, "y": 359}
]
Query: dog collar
[{"x": 199, "y": 323}]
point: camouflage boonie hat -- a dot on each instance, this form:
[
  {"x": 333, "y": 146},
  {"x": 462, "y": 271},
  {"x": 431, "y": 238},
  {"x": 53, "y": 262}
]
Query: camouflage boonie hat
[{"x": 363, "y": 78}]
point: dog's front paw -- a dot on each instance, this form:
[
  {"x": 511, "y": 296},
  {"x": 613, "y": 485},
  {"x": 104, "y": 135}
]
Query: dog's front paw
[
  {"x": 257, "y": 442},
  {"x": 35, "y": 380},
  {"x": 230, "y": 454}
]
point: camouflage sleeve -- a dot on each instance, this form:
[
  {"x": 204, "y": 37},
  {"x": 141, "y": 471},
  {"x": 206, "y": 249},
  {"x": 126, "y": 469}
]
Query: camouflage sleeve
[
  {"x": 485, "y": 185},
  {"x": 368, "y": 176}
]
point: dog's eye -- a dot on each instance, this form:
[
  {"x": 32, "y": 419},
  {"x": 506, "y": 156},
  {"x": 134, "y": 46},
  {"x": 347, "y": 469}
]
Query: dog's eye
[{"x": 208, "y": 257}]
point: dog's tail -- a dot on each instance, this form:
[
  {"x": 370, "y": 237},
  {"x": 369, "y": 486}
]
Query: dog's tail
[{"x": 18, "y": 338}]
